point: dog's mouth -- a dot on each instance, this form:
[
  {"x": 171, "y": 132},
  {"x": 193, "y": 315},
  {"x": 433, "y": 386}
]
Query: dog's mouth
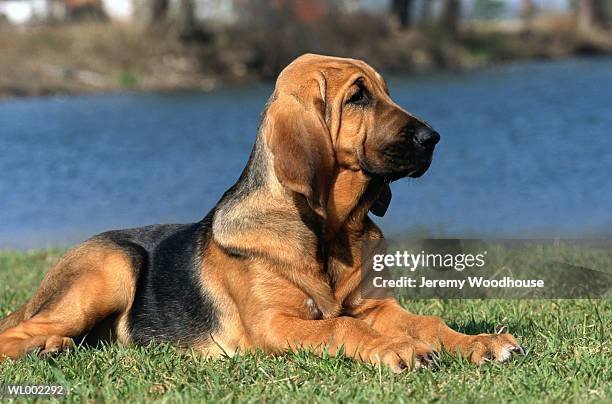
[
  {"x": 422, "y": 167},
  {"x": 392, "y": 165}
]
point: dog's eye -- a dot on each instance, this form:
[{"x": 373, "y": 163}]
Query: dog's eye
[{"x": 360, "y": 97}]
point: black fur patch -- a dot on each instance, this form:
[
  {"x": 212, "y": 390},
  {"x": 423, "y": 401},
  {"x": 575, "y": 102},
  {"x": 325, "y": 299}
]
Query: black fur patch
[{"x": 169, "y": 303}]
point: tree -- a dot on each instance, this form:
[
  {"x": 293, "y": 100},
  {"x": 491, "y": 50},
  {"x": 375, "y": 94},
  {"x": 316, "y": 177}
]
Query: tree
[
  {"x": 449, "y": 18},
  {"x": 593, "y": 14},
  {"x": 159, "y": 9},
  {"x": 402, "y": 9},
  {"x": 426, "y": 10},
  {"x": 187, "y": 21},
  {"x": 527, "y": 13}
]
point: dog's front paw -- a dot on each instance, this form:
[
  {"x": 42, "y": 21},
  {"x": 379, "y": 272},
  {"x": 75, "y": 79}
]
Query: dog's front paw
[
  {"x": 401, "y": 353},
  {"x": 491, "y": 347}
]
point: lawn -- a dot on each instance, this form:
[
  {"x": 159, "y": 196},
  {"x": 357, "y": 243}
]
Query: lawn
[{"x": 568, "y": 344}]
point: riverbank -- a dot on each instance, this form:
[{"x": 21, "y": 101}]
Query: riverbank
[{"x": 108, "y": 57}]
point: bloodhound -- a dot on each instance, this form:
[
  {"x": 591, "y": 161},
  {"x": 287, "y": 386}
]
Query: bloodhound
[{"x": 275, "y": 264}]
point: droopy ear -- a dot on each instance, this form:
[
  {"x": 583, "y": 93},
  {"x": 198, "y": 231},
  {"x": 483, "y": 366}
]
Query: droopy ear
[
  {"x": 301, "y": 145},
  {"x": 381, "y": 204}
]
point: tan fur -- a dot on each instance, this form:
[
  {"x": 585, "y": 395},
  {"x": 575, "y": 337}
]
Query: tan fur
[
  {"x": 297, "y": 288},
  {"x": 88, "y": 284}
]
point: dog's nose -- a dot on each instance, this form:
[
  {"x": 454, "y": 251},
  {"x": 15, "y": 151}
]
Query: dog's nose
[{"x": 427, "y": 137}]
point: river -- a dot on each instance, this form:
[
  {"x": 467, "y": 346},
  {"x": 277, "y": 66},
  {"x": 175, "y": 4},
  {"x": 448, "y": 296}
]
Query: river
[{"x": 526, "y": 151}]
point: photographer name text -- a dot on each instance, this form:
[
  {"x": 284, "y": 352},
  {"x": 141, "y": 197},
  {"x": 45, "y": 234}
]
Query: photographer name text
[
  {"x": 471, "y": 281},
  {"x": 457, "y": 262}
]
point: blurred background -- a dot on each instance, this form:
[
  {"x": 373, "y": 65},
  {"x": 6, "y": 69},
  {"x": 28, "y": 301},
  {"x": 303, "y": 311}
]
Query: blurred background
[{"x": 118, "y": 113}]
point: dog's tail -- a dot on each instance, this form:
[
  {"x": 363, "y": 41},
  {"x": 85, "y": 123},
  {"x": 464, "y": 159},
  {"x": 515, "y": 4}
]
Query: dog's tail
[{"x": 13, "y": 319}]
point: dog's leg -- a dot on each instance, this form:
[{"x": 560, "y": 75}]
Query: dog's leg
[
  {"x": 89, "y": 283},
  {"x": 388, "y": 317},
  {"x": 354, "y": 337},
  {"x": 12, "y": 319}
]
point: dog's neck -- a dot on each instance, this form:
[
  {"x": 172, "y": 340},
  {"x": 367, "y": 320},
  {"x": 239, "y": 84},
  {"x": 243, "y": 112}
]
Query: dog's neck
[
  {"x": 260, "y": 219},
  {"x": 350, "y": 198},
  {"x": 258, "y": 216},
  {"x": 259, "y": 208}
]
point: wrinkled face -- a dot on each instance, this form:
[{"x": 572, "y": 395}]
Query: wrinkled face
[
  {"x": 375, "y": 134},
  {"x": 329, "y": 114}
]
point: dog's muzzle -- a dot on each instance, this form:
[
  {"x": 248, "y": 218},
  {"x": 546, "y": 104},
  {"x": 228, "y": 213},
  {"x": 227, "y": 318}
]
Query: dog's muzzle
[{"x": 407, "y": 154}]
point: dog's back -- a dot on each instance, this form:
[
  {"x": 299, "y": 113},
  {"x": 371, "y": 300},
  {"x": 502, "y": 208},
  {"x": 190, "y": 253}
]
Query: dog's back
[{"x": 169, "y": 303}]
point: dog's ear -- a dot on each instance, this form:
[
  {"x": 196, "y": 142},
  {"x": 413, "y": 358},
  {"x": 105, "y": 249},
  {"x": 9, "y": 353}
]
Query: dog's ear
[
  {"x": 301, "y": 146},
  {"x": 381, "y": 204}
]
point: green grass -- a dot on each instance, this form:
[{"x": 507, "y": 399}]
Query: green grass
[{"x": 568, "y": 342}]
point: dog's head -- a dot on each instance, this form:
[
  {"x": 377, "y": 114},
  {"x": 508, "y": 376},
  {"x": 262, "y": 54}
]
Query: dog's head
[{"x": 329, "y": 114}]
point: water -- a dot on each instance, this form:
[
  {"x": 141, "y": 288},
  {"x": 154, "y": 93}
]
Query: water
[{"x": 526, "y": 150}]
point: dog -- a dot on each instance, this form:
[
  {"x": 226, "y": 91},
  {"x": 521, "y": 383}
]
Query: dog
[{"x": 275, "y": 264}]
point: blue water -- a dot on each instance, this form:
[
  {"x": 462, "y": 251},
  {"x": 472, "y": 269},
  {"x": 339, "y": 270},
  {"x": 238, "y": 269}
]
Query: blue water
[{"x": 526, "y": 150}]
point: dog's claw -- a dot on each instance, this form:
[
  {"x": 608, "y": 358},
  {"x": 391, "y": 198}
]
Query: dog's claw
[
  {"x": 429, "y": 361},
  {"x": 49, "y": 352},
  {"x": 434, "y": 361}
]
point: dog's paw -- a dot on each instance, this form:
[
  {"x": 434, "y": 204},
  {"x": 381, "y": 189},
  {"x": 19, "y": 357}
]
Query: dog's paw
[
  {"x": 47, "y": 345},
  {"x": 492, "y": 347},
  {"x": 56, "y": 344},
  {"x": 402, "y": 353}
]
